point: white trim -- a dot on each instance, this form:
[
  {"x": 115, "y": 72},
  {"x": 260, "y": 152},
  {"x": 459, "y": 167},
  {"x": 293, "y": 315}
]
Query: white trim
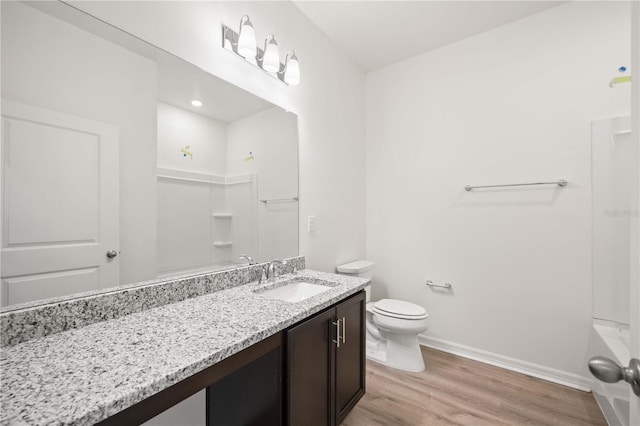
[
  {"x": 188, "y": 176},
  {"x": 232, "y": 180},
  {"x": 541, "y": 372}
]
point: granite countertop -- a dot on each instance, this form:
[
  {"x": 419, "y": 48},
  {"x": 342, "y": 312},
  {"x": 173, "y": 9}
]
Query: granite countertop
[{"x": 84, "y": 375}]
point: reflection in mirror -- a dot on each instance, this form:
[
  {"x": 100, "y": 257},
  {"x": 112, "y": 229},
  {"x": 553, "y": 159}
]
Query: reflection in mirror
[{"x": 110, "y": 175}]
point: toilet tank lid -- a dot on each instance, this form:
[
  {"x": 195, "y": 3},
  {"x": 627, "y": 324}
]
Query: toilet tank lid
[{"x": 356, "y": 267}]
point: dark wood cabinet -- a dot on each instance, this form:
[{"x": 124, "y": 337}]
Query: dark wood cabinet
[
  {"x": 249, "y": 396},
  {"x": 325, "y": 362},
  {"x": 310, "y": 379},
  {"x": 350, "y": 356}
]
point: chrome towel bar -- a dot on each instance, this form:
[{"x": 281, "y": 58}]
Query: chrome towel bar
[
  {"x": 561, "y": 182},
  {"x": 432, "y": 284},
  {"x": 279, "y": 200}
]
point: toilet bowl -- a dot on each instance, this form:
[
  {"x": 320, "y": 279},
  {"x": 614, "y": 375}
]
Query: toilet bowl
[
  {"x": 392, "y": 326},
  {"x": 393, "y": 333}
]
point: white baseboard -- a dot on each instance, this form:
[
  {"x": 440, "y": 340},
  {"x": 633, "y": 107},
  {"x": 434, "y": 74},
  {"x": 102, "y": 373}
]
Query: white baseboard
[{"x": 541, "y": 372}]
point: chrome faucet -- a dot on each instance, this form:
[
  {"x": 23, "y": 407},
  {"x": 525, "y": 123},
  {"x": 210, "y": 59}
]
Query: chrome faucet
[
  {"x": 248, "y": 258},
  {"x": 270, "y": 271}
]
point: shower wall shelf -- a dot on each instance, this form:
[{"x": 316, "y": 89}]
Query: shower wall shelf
[
  {"x": 560, "y": 183},
  {"x": 222, "y": 215},
  {"x": 222, "y": 244}
]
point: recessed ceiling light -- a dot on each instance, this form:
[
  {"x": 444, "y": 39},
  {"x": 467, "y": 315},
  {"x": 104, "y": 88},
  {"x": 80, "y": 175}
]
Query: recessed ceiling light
[{"x": 196, "y": 103}]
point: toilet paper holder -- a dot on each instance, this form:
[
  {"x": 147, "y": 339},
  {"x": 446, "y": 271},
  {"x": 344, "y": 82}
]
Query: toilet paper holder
[{"x": 432, "y": 284}]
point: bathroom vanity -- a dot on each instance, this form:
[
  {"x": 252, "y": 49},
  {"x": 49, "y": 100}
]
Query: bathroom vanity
[
  {"x": 311, "y": 373},
  {"x": 262, "y": 360}
]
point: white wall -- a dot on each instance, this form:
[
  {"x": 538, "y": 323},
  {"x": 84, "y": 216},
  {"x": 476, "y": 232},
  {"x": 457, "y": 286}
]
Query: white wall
[
  {"x": 612, "y": 171},
  {"x": 509, "y": 105},
  {"x": 184, "y": 225},
  {"x": 263, "y": 144},
  {"x": 266, "y": 144},
  {"x": 186, "y": 229},
  {"x": 205, "y": 136},
  {"x": 56, "y": 66},
  {"x": 329, "y": 102}
]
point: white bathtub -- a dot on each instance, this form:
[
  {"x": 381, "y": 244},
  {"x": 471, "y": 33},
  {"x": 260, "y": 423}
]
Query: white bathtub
[{"x": 611, "y": 341}]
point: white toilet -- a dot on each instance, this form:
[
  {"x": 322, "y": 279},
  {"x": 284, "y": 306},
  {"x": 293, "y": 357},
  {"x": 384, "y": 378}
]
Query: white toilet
[{"x": 392, "y": 325}]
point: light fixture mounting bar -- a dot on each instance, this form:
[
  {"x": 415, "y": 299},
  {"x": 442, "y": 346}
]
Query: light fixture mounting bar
[{"x": 230, "y": 43}]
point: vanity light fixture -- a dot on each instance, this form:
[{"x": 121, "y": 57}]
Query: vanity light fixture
[
  {"x": 291, "y": 69},
  {"x": 270, "y": 60},
  {"x": 246, "y": 39},
  {"x": 243, "y": 44},
  {"x": 196, "y": 103}
]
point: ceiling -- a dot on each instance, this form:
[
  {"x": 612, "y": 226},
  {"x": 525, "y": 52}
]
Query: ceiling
[{"x": 379, "y": 33}]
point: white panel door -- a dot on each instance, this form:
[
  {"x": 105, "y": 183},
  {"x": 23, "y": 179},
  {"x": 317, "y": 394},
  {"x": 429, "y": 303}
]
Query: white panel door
[{"x": 59, "y": 204}]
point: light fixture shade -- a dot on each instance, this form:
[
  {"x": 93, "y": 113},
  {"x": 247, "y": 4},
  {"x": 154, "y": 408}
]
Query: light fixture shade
[
  {"x": 271, "y": 57},
  {"x": 292, "y": 70},
  {"x": 247, "y": 39}
]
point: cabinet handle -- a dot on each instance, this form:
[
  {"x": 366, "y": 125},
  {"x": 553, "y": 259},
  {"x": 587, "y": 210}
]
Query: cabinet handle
[
  {"x": 338, "y": 337},
  {"x": 344, "y": 330}
]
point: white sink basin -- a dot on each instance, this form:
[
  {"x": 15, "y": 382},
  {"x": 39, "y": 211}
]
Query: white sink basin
[{"x": 295, "y": 292}]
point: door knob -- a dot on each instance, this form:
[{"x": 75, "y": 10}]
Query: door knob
[
  {"x": 609, "y": 371},
  {"x": 111, "y": 254}
]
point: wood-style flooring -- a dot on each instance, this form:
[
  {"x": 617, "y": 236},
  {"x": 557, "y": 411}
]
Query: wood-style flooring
[{"x": 459, "y": 391}]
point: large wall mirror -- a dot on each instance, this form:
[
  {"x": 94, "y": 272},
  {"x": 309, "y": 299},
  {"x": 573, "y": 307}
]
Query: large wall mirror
[{"x": 110, "y": 175}]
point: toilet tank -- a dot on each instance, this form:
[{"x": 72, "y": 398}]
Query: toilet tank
[{"x": 359, "y": 268}]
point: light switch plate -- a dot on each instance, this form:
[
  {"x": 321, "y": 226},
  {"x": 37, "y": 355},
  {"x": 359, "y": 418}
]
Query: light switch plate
[{"x": 311, "y": 224}]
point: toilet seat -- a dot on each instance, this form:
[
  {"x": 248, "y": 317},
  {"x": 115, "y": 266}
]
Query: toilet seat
[{"x": 399, "y": 309}]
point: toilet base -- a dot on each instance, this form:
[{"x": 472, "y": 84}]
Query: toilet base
[
  {"x": 402, "y": 352},
  {"x": 374, "y": 353}
]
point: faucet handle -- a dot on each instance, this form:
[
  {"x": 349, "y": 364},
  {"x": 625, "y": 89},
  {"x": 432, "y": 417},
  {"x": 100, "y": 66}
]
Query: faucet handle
[{"x": 248, "y": 258}]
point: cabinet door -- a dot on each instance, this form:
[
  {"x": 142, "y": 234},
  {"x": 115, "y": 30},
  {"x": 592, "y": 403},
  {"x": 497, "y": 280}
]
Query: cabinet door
[
  {"x": 350, "y": 356},
  {"x": 310, "y": 382}
]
